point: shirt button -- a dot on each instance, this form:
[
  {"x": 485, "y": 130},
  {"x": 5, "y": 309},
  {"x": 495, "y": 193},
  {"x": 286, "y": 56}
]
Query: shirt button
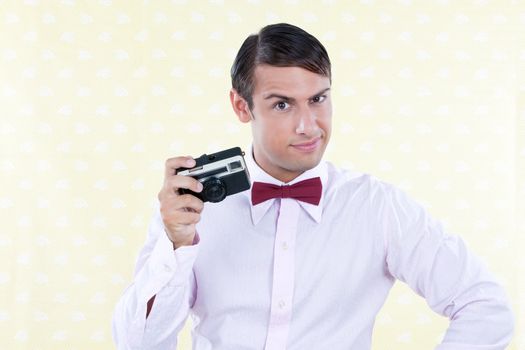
[
  {"x": 167, "y": 268},
  {"x": 284, "y": 246},
  {"x": 281, "y": 304}
]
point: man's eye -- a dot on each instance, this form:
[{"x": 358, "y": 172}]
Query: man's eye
[
  {"x": 281, "y": 106},
  {"x": 318, "y": 99}
]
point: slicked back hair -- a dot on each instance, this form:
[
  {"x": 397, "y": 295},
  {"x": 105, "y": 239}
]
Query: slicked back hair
[{"x": 280, "y": 45}]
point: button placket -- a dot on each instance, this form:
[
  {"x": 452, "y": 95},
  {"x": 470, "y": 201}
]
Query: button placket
[{"x": 283, "y": 275}]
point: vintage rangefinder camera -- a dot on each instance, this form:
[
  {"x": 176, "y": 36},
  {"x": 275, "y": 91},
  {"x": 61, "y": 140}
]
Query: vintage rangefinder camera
[{"x": 221, "y": 174}]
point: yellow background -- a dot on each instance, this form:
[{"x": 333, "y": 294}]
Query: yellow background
[{"x": 95, "y": 95}]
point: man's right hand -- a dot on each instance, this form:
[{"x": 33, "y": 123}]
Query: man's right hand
[{"x": 179, "y": 212}]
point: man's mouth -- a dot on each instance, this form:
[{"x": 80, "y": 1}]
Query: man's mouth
[{"x": 308, "y": 146}]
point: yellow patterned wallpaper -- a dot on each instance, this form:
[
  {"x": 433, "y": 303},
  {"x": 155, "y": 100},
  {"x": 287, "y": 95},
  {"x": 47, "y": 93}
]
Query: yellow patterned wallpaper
[{"x": 94, "y": 95}]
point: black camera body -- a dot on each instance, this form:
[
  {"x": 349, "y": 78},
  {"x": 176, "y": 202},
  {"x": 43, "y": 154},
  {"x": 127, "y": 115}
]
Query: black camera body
[{"x": 222, "y": 174}]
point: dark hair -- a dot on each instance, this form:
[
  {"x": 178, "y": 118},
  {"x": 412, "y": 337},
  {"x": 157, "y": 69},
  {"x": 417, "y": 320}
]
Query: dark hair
[{"x": 281, "y": 45}]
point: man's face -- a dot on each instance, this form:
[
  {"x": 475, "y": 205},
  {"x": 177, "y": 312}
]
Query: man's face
[{"x": 291, "y": 119}]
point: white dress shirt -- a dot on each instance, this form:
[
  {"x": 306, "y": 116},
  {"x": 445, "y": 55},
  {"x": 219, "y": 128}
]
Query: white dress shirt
[{"x": 285, "y": 274}]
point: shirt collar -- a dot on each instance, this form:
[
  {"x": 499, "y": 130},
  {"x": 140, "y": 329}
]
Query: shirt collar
[{"x": 258, "y": 174}]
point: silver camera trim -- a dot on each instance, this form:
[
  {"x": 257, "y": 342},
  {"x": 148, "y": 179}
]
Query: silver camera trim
[{"x": 224, "y": 163}]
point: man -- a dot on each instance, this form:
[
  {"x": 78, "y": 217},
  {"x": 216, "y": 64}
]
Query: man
[{"x": 288, "y": 273}]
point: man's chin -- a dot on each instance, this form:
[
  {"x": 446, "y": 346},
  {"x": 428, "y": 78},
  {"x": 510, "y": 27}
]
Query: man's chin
[{"x": 302, "y": 165}]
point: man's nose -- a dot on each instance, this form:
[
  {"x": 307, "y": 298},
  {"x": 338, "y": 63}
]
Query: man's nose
[{"x": 307, "y": 123}]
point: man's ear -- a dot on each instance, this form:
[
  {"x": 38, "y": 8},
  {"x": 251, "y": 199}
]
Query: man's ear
[{"x": 240, "y": 106}]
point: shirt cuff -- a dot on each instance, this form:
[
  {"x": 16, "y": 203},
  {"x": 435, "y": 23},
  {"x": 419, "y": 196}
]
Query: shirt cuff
[
  {"x": 164, "y": 266},
  {"x": 196, "y": 239}
]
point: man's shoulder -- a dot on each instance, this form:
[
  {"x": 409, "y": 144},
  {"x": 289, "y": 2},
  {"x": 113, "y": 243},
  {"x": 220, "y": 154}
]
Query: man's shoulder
[
  {"x": 344, "y": 175},
  {"x": 368, "y": 189},
  {"x": 352, "y": 180}
]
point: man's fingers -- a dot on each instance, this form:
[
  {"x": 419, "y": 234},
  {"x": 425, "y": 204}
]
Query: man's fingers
[
  {"x": 172, "y": 164},
  {"x": 173, "y": 183},
  {"x": 186, "y": 202},
  {"x": 179, "y": 212},
  {"x": 176, "y": 219},
  {"x": 188, "y": 218}
]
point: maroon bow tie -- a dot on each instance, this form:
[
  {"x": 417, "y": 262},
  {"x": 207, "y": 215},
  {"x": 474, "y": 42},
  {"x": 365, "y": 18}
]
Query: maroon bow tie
[{"x": 308, "y": 191}]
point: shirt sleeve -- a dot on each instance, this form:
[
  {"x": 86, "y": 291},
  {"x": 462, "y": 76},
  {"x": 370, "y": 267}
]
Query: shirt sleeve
[
  {"x": 454, "y": 282},
  {"x": 166, "y": 274}
]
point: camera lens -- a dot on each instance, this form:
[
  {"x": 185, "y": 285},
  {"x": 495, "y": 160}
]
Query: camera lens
[{"x": 214, "y": 190}]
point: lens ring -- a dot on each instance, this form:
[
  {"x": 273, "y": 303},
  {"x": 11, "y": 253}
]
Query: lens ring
[{"x": 214, "y": 190}]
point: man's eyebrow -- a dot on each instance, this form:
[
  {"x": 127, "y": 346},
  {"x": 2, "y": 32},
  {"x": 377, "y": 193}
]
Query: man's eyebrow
[
  {"x": 320, "y": 92},
  {"x": 280, "y": 97},
  {"x": 286, "y": 98}
]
